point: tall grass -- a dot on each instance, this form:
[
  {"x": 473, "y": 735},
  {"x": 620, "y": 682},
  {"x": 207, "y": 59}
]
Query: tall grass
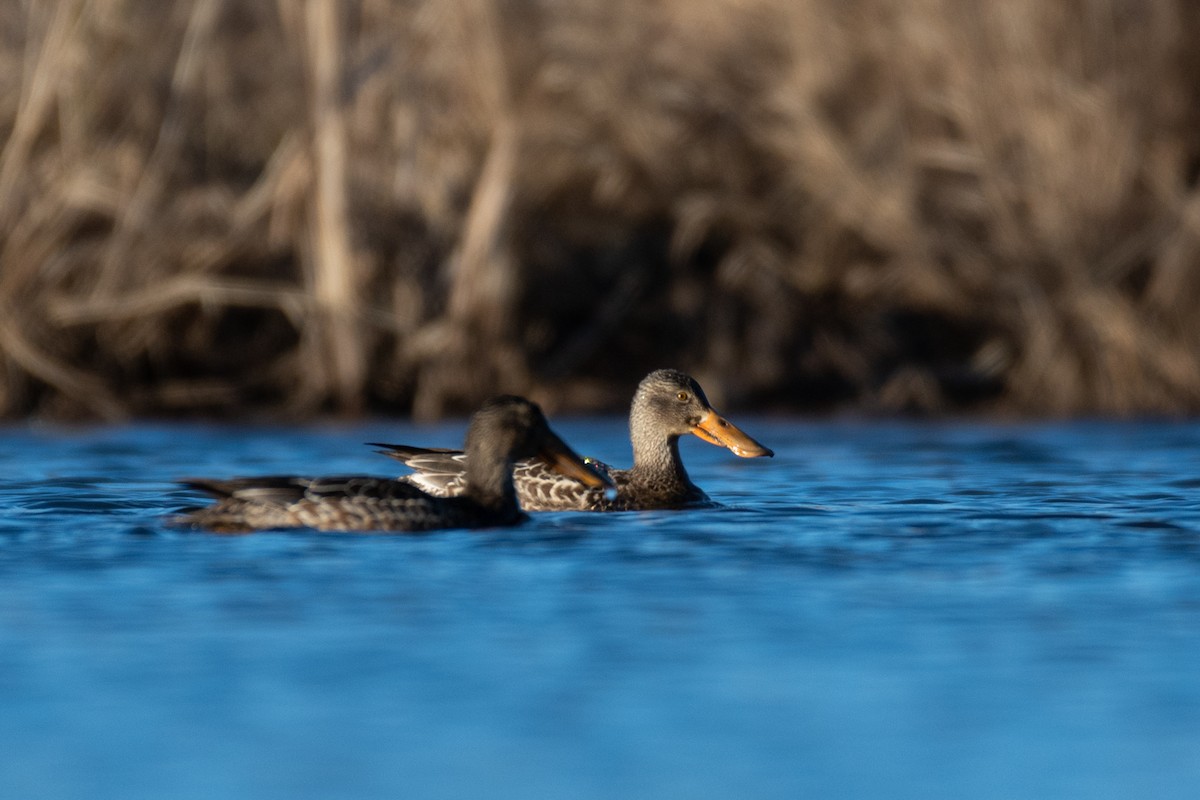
[{"x": 311, "y": 206}]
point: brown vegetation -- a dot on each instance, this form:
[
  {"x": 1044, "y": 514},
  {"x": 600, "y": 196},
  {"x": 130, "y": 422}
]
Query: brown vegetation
[{"x": 311, "y": 206}]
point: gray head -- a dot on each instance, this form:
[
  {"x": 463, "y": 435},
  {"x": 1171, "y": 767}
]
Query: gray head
[{"x": 670, "y": 402}]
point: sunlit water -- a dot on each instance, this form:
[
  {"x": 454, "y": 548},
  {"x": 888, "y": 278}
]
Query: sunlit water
[{"x": 886, "y": 610}]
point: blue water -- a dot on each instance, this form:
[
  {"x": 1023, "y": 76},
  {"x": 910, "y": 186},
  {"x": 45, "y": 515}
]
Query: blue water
[{"x": 884, "y": 609}]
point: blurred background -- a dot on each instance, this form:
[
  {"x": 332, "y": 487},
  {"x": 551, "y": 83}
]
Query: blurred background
[{"x": 309, "y": 207}]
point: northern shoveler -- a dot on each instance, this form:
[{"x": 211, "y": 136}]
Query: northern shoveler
[
  {"x": 502, "y": 432},
  {"x": 668, "y": 404}
]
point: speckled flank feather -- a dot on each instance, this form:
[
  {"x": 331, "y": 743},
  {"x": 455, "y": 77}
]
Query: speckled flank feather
[
  {"x": 667, "y": 404},
  {"x": 442, "y": 473}
]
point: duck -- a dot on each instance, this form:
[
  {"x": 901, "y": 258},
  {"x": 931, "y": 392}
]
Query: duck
[
  {"x": 505, "y": 430},
  {"x": 668, "y": 404}
]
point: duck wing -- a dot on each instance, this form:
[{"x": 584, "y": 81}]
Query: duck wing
[
  {"x": 438, "y": 471},
  {"x": 288, "y": 489}
]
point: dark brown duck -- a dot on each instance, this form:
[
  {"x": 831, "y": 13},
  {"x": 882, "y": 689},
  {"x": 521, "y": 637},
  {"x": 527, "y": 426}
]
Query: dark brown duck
[
  {"x": 504, "y": 431},
  {"x": 668, "y": 404}
]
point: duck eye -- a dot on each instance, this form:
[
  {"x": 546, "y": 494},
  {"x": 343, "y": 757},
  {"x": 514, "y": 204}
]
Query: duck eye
[{"x": 683, "y": 396}]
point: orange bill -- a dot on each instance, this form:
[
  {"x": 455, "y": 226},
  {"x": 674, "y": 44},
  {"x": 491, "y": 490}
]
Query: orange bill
[
  {"x": 715, "y": 429},
  {"x": 564, "y": 461}
]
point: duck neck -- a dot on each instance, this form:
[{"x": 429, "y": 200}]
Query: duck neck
[
  {"x": 657, "y": 456},
  {"x": 489, "y": 480}
]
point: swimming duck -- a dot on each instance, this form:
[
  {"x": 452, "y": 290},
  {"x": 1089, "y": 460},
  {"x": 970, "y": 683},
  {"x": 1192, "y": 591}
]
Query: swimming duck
[
  {"x": 668, "y": 404},
  {"x": 502, "y": 432}
]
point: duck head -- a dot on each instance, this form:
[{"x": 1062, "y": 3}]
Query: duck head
[
  {"x": 672, "y": 402},
  {"x": 515, "y": 429}
]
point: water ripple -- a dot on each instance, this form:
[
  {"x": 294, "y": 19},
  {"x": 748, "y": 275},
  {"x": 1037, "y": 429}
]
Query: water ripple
[{"x": 950, "y": 598}]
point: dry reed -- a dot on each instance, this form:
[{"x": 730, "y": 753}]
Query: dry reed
[{"x": 309, "y": 206}]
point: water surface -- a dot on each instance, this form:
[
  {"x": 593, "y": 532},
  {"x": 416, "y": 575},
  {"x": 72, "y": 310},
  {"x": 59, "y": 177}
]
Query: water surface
[{"x": 884, "y": 609}]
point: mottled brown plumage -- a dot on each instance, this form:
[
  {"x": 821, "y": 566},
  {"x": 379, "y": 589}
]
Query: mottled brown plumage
[
  {"x": 504, "y": 430},
  {"x": 668, "y": 404}
]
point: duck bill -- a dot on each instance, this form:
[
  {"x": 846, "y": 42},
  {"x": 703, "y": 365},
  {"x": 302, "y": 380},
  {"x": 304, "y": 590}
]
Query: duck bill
[
  {"x": 562, "y": 459},
  {"x": 715, "y": 429}
]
